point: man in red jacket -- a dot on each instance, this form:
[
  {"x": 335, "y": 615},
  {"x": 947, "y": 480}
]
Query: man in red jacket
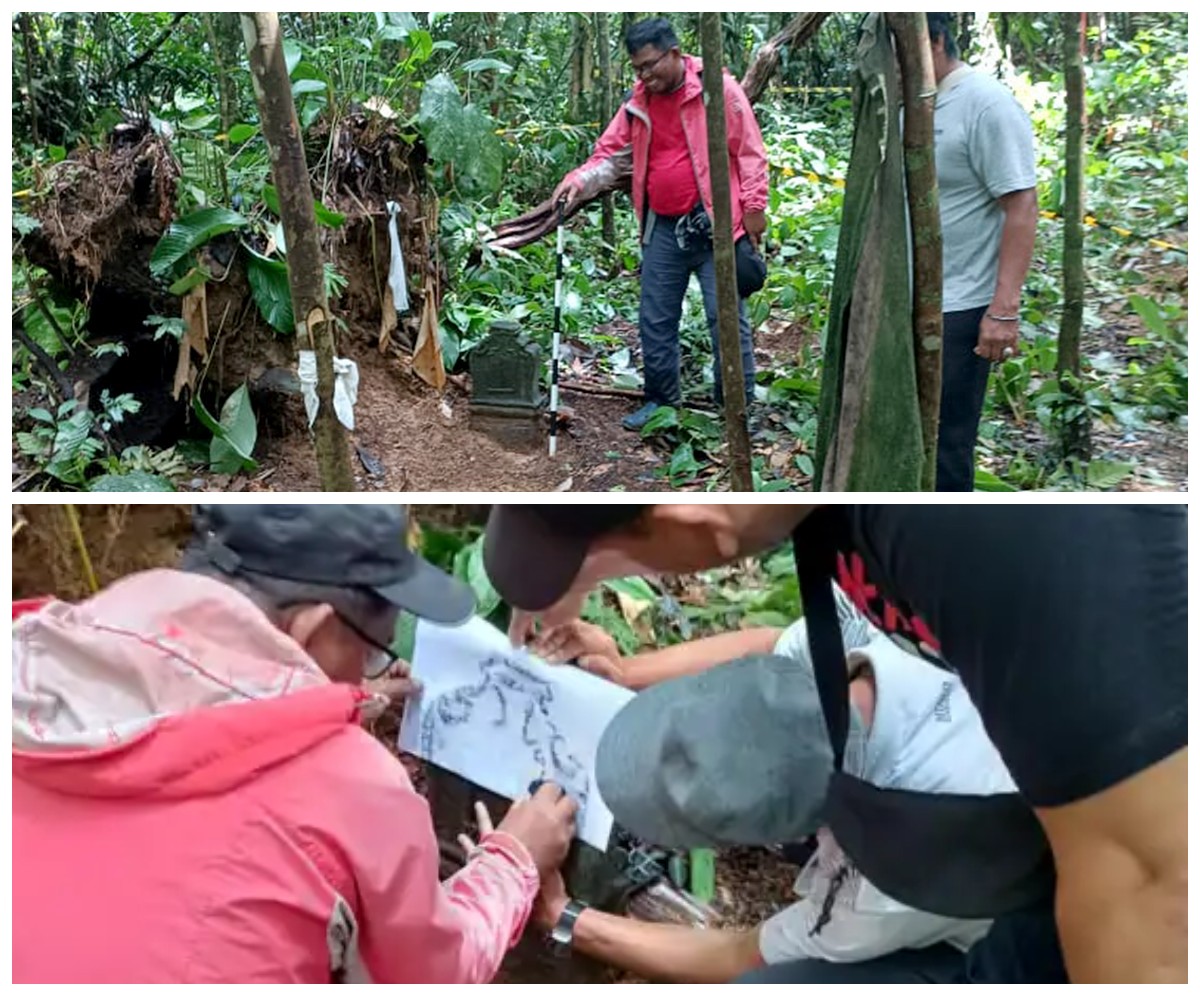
[{"x": 661, "y": 133}]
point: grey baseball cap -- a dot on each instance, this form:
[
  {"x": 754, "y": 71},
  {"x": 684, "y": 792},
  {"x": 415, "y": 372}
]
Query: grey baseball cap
[
  {"x": 736, "y": 755},
  {"x": 344, "y": 546}
]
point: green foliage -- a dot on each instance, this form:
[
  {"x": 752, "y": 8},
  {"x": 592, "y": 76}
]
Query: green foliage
[
  {"x": 164, "y": 325},
  {"x": 135, "y": 480},
  {"x": 66, "y": 443},
  {"x": 468, "y": 567},
  {"x": 234, "y": 435},
  {"x": 187, "y": 234},
  {"x": 268, "y": 280},
  {"x": 461, "y": 136}
]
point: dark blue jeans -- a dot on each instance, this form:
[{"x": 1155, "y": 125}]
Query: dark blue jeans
[
  {"x": 964, "y": 388},
  {"x": 666, "y": 270}
]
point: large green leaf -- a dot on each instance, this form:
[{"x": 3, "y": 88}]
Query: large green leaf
[
  {"x": 41, "y": 331},
  {"x": 481, "y": 65},
  {"x": 325, "y": 216},
  {"x": 1151, "y": 314},
  {"x": 468, "y": 567},
  {"x": 242, "y": 132},
  {"x": 135, "y": 480},
  {"x": 269, "y": 287},
  {"x": 1105, "y": 474},
  {"x": 440, "y": 117},
  {"x": 191, "y": 232},
  {"x": 985, "y": 480},
  {"x": 234, "y": 435},
  {"x": 291, "y": 54},
  {"x": 632, "y": 587},
  {"x": 481, "y": 154}
]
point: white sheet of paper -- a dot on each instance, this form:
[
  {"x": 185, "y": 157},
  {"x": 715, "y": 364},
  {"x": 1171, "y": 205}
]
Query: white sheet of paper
[{"x": 502, "y": 718}]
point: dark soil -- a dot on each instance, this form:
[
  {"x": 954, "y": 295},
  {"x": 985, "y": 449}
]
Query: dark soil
[{"x": 428, "y": 443}]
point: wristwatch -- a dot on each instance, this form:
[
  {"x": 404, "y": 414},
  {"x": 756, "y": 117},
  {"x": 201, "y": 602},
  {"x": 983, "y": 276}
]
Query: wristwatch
[{"x": 563, "y": 933}]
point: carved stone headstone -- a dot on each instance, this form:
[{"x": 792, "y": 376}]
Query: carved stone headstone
[{"x": 506, "y": 390}]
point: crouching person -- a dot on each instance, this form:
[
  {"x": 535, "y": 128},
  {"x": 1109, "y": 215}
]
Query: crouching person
[
  {"x": 738, "y": 753},
  {"x": 195, "y": 800}
]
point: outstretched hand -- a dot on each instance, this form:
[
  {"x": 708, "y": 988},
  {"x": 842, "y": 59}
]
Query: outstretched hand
[
  {"x": 568, "y": 191},
  {"x": 583, "y": 642}
]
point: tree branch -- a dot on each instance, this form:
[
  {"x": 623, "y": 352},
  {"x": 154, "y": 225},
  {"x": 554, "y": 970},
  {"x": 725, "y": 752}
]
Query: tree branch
[{"x": 153, "y": 47}]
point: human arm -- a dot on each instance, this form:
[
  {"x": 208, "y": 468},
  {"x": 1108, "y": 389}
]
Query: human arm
[
  {"x": 597, "y": 652},
  {"x": 415, "y": 928},
  {"x": 1002, "y": 155},
  {"x": 1086, "y": 700},
  {"x": 660, "y": 952},
  {"x": 1016, "y": 253},
  {"x": 1122, "y": 897},
  {"x": 609, "y": 165},
  {"x": 749, "y": 155}
]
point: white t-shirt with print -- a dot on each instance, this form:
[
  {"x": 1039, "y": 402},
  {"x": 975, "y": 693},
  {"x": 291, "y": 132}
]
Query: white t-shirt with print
[{"x": 926, "y": 736}]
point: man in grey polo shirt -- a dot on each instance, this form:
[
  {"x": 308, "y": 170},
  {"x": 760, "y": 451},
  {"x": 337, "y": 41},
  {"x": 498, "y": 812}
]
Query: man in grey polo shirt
[{"x": 987, "y": 183}]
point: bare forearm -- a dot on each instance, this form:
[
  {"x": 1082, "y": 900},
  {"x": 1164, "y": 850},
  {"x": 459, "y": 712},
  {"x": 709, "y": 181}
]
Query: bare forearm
[
  {"x": 649, "y": 668},
  {"x": 1016, "y": 250},
  {"x": 1121, "y": 857},
  {"x": 664, "y": 952}
]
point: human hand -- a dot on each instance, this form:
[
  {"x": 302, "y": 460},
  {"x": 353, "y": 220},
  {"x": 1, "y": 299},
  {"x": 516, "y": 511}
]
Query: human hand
[
  {"x": 550, "y": 902},
  {"x": 483, "y": 826},
  {"x": 396, "y": 684},
  {"x": 997, "y": 340},
  {"x": 587, "y": 644},
  {"x": 523, "y": 626},
  {"x": 568, "y": 191},
  {"x": 545, "y": 824},
  {"x": 755, "y": 223}
]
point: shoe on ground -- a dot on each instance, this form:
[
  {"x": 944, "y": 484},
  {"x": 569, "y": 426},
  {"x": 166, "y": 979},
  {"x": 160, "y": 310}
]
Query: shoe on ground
[{"x": 636, "y": 421}]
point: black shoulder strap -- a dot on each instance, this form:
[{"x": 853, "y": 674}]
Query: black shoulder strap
[{"x": 816, "y": 564}]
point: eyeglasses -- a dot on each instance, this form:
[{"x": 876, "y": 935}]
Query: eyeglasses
[
  {"x": 373, "y": 668},
  {"x": 647, "y": 68}
]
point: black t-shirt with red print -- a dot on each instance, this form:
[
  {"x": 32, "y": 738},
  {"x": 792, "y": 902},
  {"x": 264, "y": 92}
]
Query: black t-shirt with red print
[{"x": 1067, "y": 623}]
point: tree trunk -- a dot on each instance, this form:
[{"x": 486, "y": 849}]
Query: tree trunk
[
  {"x": 224, "y": 35},
  {"x": 608, "y": 220},
  {"x": 581, "y": 67},
  {"x": 306, "y": 266},
  {"x": 31, "y": 100},
  {"x": 766, "y": 60},
  {"x": 224, "y": 42},
  {"x": 916, "y": 74},
  {"x": 1076, "y": 430},
  {"x": 729, "y": 341}
]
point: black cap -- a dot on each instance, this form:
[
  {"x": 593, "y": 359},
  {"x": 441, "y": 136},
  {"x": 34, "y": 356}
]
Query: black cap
[
  {"x": 751, "y": 267},
  {"x": 532, "y": 553},
  {"x": 343, "y": 546}
]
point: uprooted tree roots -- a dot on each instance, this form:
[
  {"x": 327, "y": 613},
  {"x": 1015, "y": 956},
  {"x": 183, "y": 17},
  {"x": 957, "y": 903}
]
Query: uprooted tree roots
[{"x": 103, "y": 210}]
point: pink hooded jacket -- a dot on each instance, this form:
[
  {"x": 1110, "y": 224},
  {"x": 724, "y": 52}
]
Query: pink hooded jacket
[
  {"x": 628, "y": 135},
  {"x": 194, "y": 801}
]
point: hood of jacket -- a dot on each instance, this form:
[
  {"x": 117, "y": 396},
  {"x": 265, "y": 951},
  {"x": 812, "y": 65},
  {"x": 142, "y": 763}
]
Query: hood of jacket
[{"x": 165, "y": 684}]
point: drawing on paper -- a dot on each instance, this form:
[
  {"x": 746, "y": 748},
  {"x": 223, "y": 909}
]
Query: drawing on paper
[
  {"x": 516, "y": 706},
  {"x": 501, "y": 718}
]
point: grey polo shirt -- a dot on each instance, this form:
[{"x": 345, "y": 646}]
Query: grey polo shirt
[{"x": 983, "y": 141}]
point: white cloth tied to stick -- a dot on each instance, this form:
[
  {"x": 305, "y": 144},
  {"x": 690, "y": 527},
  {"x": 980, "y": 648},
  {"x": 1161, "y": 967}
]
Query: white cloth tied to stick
[
  {"x": 396, "y": 276},
  {"x": 345, "y": 387}
]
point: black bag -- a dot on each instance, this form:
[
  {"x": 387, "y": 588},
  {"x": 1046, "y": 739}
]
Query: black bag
[
  {"x": 751, "y": 267},
  {"x": 964, "y": 856}
]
